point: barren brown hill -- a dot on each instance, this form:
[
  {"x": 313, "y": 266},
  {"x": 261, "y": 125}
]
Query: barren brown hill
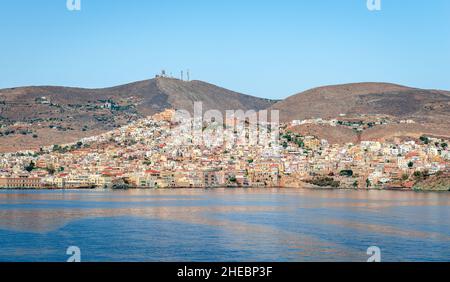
[
  {"x": 407, "y": 131},
  {"x": 334, "y": 135},
  {"x": 35, "y": 116},
  {"x": 428, "y": 109},
  {"x": 367, "y": 99},
  {"x": 389, "y": 132}
]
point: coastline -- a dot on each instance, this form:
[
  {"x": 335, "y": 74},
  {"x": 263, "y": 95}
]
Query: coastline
[{"x": 229, "y": 188}]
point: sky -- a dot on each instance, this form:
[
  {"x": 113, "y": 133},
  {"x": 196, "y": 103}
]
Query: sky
[{"x": 266, "y": 48}]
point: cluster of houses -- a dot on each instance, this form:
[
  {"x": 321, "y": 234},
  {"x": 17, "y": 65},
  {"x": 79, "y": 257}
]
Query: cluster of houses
[{"x": 146, "y": 154}]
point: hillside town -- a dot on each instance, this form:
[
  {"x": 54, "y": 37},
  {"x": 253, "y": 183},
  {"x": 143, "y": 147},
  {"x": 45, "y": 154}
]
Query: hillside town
[{"x": 148, "y": 154}]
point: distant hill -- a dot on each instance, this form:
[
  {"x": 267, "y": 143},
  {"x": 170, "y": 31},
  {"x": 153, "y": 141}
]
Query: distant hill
[
  {"x": 31, "y": 117},
  {"x": 149, "y": 96},
  {"x": 366, "y": 99},
  {"x": 34, "y": 116},
  {"x": 429, "y": 109}
]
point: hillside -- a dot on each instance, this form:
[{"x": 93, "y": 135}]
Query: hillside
[
  {"x": 369, "y": 103},
  {"x": 31, "y": 117},
  {"x": 366, "y": 99},
  {"x": 35, "y": 116}
]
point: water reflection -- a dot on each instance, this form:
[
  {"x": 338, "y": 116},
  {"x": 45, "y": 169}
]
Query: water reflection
[{"x": 284, "y": 224}]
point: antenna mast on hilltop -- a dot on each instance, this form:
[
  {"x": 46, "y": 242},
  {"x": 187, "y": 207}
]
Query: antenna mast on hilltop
[
  {"x": 182, "y": 75},
  {"x": 188, "y": 75}
]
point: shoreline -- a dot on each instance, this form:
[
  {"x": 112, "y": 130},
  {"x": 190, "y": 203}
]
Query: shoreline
[{"x": 228, "y": 188}]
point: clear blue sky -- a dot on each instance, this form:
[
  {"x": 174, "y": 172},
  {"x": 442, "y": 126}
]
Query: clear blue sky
[{"x": 265, "y": 48}]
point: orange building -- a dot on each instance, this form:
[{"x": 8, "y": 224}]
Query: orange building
[{"x": 20, "y": 182}]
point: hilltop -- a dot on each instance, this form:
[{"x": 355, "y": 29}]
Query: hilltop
[
  {"x": 366, "y": 99},
  {"x": 43, "y": 115},
  {"x": 31, "y": 117},
  {"x": 428, "y": 110}
]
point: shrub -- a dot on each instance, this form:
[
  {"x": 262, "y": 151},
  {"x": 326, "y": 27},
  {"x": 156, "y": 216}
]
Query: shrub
[{"x": 348, "y": 173}]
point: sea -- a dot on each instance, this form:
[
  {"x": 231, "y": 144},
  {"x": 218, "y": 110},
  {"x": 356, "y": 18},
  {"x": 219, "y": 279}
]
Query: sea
[{"x": 223, "y": 225}]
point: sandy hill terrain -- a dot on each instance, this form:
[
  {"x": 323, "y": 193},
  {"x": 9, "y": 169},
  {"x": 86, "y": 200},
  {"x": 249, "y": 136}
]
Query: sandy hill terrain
[
  {"x": 366, "y": 99},
  {"x": 34, "y": 116},
  {"x": 31, "y": 117},
  {"x": 429, "y": 109}
]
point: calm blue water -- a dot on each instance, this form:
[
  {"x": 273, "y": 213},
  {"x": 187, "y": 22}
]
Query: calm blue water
[{"x": 224, "y": 225}]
